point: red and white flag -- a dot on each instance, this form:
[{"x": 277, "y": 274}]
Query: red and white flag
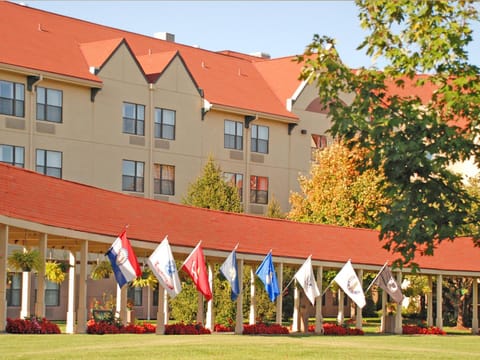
[{"x": 195, "y": 266}]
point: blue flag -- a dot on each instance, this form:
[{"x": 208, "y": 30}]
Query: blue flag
[
  {"x": 266, "y": 273},
  {"x": 229, "y": 271}
]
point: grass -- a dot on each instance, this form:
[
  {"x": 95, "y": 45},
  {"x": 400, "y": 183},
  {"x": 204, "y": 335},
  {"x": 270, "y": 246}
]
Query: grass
[{"x": 229, "y": 346}]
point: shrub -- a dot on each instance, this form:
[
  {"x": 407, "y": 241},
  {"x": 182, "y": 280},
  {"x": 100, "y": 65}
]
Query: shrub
[
  {"x": 263, "y": 328},
  {"x": 186, "y": 329},
  {"x": 33, "y": 325},
  {"x": 416, "y": 329}
]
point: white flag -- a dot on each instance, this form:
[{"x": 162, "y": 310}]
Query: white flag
[
  {"x": 306, "y": 279},
  {"x": 347, "y": 279},
  {"x": 163, "y": 266}
]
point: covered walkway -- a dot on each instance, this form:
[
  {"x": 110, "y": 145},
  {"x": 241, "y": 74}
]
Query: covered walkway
[{"x": 45, "y": 212}]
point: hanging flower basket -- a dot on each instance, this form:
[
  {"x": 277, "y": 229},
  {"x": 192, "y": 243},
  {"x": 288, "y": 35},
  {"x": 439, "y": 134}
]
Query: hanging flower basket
[
  {"x": 146, "y": 279},
  {"x": 55, "y": 271},
  {"x": 25, "y": 261},
  {"x": 102, "y": 270}
]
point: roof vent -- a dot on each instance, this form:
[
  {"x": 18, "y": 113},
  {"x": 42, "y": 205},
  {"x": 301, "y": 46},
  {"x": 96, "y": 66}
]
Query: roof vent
[
  {"x": 261, "y": 55},
  {"x": 164, "y": 36}
]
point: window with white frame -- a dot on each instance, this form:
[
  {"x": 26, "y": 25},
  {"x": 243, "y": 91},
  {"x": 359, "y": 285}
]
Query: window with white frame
[
  {"x": 13, "y": 155},
  {"x": 133, "y": 175},
  {"x": 236, "y": 180},
  {"x": 259, "y": 137},
  {"x": 49, "y": 162},
  {"x": 164, "y": 179},
  {"x": 164, "y": 124},
  {"x": 49, "y": 104},
  {"x": 318, "y": 142},
  {"x": 52, "y": 293},
  {"x": 233, "y": 135},
  {"x": 258, "y": 189},
  {"x": 133, "y": 119},
  {"x": 12, "y": 98},
  {"x": 135, "y": 295},
  {"x": 14, "y": 289}
]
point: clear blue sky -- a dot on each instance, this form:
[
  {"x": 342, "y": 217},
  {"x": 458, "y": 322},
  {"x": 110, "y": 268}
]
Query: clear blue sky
[{"x": 278, "y": 28}]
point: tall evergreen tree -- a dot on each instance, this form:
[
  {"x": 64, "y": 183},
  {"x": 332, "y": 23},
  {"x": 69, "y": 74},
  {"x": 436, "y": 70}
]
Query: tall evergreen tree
[{"x": 211, "y": 191}]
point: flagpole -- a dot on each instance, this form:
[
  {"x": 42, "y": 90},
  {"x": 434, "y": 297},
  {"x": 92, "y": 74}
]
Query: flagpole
[
  {"x": 188, "y": 257},
  {"x": 236, "y": 247},
  {"x": 376, "y": 277}
]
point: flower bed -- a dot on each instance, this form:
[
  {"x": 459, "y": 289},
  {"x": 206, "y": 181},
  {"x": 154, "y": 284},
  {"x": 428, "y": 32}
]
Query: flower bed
[
  {"x": 415, "y": 329},
  {"x": 338, "y": 330},
  {"x": 262, "y": 328},
  {"x": 186, "y": 329},
  {"x": 104, "y": 327},
  {"x": 223, "y": 328},
  {"x": 31, "y": 326}
]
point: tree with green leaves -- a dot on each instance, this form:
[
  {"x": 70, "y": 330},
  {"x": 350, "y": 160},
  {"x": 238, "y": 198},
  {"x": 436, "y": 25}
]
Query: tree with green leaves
[
  {"x": 211, "y": 191},
  {"x": 336, "y": 192},
  {"x": 413, "y": 127}
]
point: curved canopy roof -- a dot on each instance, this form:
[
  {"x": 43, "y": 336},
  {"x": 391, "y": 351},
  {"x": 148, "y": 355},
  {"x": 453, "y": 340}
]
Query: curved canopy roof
[{"x": 31, "y": 198}]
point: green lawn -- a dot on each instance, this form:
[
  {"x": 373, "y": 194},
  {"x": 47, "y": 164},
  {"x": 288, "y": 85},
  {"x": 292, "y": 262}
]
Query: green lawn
[{"x": 228, "y": 346}]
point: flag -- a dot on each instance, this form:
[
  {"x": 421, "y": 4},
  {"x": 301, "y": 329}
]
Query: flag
[
  {"x": 124, "y": 262},
  {"x": 229, "y": 271},
  {"x": 163, "y": 266},
  {"x": 386, "y": 281},
  {"x": 195, "y": 266},
  {"x": 347, "y": 279},
  {"x": 306, "y": 279},
  {"x": 266, "y": 273}
]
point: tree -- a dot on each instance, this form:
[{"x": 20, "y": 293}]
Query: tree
[
  {"x": 274, "y": 210},
  {"x": 211, "y": 191},
  {"x": 412, "y": 127},
  {"x": 335, "y": 192}
]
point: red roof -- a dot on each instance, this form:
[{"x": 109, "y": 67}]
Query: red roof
[
  {"x": 46, "y": 200},
  {"x": 43, "y": 41}
]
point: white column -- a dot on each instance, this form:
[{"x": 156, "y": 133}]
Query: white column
[
  {"x": 40, "y": 301},
  {"x": 296, "y": 307},
  {"x": 475, "y": 305},
  {"x": 341, "y": 312},
  {"x": 398, "y": 315},
  {"x": 209, "y": 322},
  {"x": 149, "y": 297},
  {"x": 3, "y": 276},
  {"x": 121, "y": 309},
  {"x": 318, "y": 303},
  {"x": 383, "y": 320},
  {"x": 82, "y": 315},
  {"x": 359, "y": 317},
  {"x": 26, "y": 285},
  {"x": 201, "y": 310},
  {"x": 430, "y": 302},
  {"x": 439, "y": 320},
  {"x": 279, "y": 303},
  {"x": 70, "y": 327},
  {"x": 165, "y": 307},
  {"x": 252, "y": 297},
  {"x": 160, "y": 312},
  {"x": 239, "y": 314}
]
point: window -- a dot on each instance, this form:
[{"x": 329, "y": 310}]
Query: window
[
  {"x": 14, "y": 289},
  {"x": 49, "y": 163},
  {"x": 12, "y": 98},
  {"x": 164, "y": 124},
  {"x": 52, "y": 293},
  {"x": 259, "y": 139},
  {"x": 258, "y": 190},
  {"x": 13, "y": 155},
  {"x": 164, "y": 179},
  {"x": 49, "y": 104},
  {"x": 318, "y": 142},
  {"x": 233, "y": 136},
  {"x": 134, "y": 295},
  {"x": 236, "y": 180},
  {"x": 132, "y": 179},
  {"x": 133, "y": 119}
]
